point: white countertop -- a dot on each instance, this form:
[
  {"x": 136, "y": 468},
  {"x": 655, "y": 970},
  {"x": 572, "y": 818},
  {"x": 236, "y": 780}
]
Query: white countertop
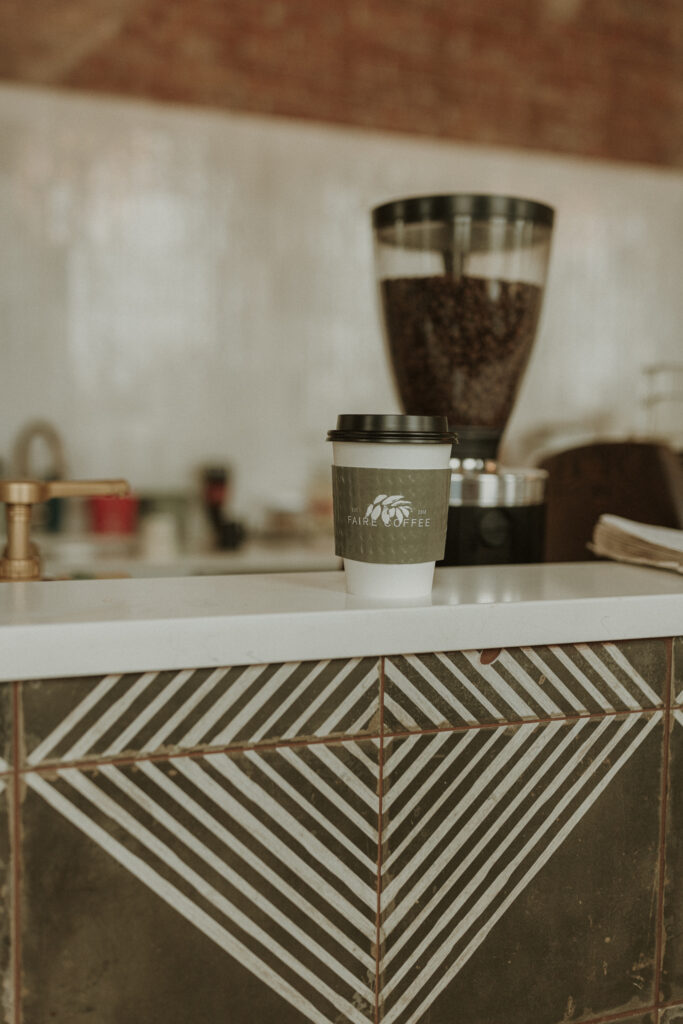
[{"x": 55, "y": 629}]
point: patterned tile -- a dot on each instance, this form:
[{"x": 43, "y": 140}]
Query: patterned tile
[
  {"x": 672, "y": 967},
  {"x": 79, "y": 719},
  {"x": 672, "y": 1015},
  {"x": 5, "y": 727},
  {"x": 647, "y": 1018},
  {"x": 5, "y": 906},
  {"x": 240, "y": 887},
  {"x": 525, "y": 854},
  {"x": 678, "y": 671},
  {"x": 458, "y": 688}
]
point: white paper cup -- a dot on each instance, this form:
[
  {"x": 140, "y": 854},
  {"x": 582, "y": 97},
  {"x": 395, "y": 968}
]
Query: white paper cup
[{"x": 391, "y": 478}]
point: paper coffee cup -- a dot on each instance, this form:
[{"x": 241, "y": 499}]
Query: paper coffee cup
[{"x": 390, "y": 486}]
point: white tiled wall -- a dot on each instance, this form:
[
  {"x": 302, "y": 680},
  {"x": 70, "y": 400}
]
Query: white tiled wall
[{"x": 180, "y": 285}]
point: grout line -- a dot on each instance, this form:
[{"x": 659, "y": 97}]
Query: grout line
[
  {"x": 16, "y": 853},
  {"x": 623, "y": 1016},
  {"x": 663, "y": 820},
  {"x": 506, "y": 723},
  {"x": 380, "y": 787},
  {"x": 196, "y": 752}
]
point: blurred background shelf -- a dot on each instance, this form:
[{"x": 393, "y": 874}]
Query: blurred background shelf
[{"x": 85, "y": 558}]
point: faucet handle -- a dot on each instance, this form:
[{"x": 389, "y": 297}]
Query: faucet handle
[
  {"x": 21, "y": 558},
  {"x": 32, "y": 492},
  {"x": 87, "y": 488}
]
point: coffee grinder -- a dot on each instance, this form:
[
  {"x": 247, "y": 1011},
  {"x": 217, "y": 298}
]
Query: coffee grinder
[{"x": 461, "y": 280}]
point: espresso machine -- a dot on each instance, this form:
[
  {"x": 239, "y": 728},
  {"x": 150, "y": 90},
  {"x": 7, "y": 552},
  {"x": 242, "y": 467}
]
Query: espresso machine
[{"x": 461, "y": 280}]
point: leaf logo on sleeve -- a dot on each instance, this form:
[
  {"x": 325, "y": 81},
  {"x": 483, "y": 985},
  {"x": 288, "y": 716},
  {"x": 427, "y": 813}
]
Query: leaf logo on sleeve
[
  {"x": 389, "y": 507},
  {"x": 390, "y": 516}
]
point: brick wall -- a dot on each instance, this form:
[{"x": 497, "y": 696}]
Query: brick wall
[{"x": 599, "y": 78}]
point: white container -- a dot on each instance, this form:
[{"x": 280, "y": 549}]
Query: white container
[
  {"x": 159, "y": 538},
  {"x": 427, "y": 449}
]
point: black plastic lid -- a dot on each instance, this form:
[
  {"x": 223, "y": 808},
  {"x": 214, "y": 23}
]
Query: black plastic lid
[
  {"x": 416, "y": 209},
  {"x": 392, "y": 428}
]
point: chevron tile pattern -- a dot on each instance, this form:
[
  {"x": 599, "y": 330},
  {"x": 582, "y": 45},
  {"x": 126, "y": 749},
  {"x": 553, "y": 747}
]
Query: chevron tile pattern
[
  {"x": 677, "y": 671},
  {"x": 470, "y": 820},
  {"x": 223, "y": 707},
  {"x": 489, "y": 762},
  {"x": 672, "y": 974},
  {"x": 461, "y": 688},
  {"x": 6, "y": 894},
  {"x": 271, "y": 854}
]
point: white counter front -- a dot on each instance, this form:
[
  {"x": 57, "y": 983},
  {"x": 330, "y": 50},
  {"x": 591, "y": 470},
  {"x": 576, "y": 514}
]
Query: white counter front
[{"x": 56, "y": 629}]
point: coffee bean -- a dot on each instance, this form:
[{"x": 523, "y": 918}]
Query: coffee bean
[{"x": 459, "y": 346}]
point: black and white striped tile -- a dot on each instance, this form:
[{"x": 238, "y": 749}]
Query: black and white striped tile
[
  {"x": 6, "y": 903},
  {"x": 268, "y": 857},
  {"x": 462, "y": 688},
  {"x": 271, "y": 855},
  {"x": 5, "y": 726},
  {"x": 471, "y": 821},
  {"x": 677, "y": 674},
  {"x": 80, "y": 719},
  {"x": 672, "y": 973}
]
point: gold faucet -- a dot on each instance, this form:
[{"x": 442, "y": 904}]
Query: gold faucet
[
  {"x": 22, "y": 448},
  {"x": 21, "y": 558}
]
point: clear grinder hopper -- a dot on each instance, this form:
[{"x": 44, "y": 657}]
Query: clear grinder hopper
[{"x": 461, "y": 281}]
